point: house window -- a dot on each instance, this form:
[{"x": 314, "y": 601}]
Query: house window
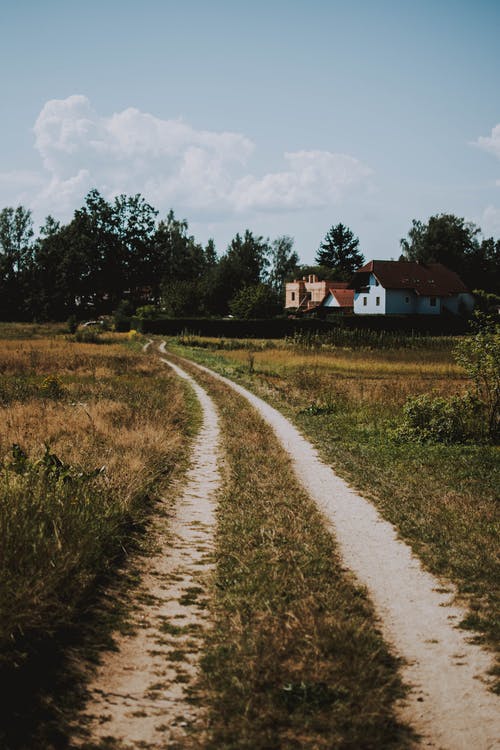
[
  {"x": 365, "y": 301},
  {"x": 377, "y": 301},
  {"x": 432, "y": 302},
  {"x": 293, "y": 296},
  {"x": 407, "y": 300}
]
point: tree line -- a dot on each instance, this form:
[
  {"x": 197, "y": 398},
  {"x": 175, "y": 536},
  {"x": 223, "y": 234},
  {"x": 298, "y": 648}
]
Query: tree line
[{"x": 116, "y": 255}]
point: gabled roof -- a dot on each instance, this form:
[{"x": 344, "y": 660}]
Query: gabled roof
[
  {"x": 432, "y": 279},
  {"x": 337, "y": 284},
  {"x": 345, "y": 297}
]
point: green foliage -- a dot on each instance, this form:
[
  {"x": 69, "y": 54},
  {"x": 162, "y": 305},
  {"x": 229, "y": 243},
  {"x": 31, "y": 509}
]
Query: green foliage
[
  {"x": 89, "y": 335},
  {"x": 182, "y": 298},
  {"x": 454, "y": 242},
  {"x": 284, "y": 260},
  {"x": 339, "y": 252},
  {"x": 147, "y": 312},
  {"x": 479, "y": 355},
  {"x": 258, "y": 301},
  {"x": 72, "y": 324},
  {"x": 486, "y": 302},
  {"x": 436, "y": 419},
  {"x": 244, "y": 264},
  {"x": 56, "y": 525},
  {"x": 52, "y": 387}
]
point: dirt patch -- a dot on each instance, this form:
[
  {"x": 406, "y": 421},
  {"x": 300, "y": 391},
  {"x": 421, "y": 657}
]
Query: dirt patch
[
  {"x": 449, "y": 703},
  {"x": 145, "y": 693}
]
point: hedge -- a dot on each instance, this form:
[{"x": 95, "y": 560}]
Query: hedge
[{"x": 277, "y": 328}]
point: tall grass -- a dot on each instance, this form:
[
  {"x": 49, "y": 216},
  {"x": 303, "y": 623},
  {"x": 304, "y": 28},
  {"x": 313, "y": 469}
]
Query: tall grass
[{"x": 115, "y": 427}]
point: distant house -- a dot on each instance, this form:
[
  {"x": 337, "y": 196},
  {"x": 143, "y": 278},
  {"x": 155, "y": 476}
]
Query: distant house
[
  {"x": 309, "y": 294},
  {"x": 390, "y": 287},
  {"x": 339, "y": 299}
]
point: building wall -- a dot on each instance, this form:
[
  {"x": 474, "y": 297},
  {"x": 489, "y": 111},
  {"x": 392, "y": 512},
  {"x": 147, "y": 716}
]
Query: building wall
[
  {"x": 365, "y": 303},
  {"x": 310, "y": 287},
  {"x": 401, "y": 302}
]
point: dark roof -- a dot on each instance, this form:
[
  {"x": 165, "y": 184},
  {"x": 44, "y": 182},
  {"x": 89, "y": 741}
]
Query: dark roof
[{"x": 431, "y": 279}]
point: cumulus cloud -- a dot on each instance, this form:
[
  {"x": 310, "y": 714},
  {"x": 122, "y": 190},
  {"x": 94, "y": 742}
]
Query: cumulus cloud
[
  {"x": 491, "y": 143},
  {"x": 174, "y": 164}
]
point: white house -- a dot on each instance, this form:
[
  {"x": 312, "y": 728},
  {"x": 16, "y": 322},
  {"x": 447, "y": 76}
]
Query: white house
[{"x": 385, "y": 287}]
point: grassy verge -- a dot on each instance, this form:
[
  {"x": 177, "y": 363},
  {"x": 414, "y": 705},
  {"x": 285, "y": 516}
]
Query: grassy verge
[
  {"x": 442, "y": 498},
  {"x": 99, "y": 432},
  {"x": 295, "y": 658}
]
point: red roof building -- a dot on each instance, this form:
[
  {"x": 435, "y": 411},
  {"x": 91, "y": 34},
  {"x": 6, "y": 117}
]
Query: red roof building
[{"x": 387, "y": 287}]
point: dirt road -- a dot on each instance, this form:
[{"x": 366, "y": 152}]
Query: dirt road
[
  {"x": 449, "y": 703},
  {"x": 145, "y": 693}
]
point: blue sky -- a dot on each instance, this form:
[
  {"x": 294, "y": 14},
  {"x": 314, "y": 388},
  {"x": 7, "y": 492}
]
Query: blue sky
[{"x": 283, "y": 117}]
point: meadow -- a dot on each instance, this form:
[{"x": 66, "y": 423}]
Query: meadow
[
  {"x": 441, "y": 496},
  {"x": 90, "y": 435}
]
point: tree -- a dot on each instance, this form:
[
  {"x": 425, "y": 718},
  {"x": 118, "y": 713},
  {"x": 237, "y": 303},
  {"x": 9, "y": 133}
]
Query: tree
[
  {"x": 178, "y": 257},
  {"x": 244, "y": 264},
  {"x": 256, "y": 301},
  {"x": 284, "y": 260},
  {"x": 455, "y": 243},
  {"x": 16, "y": 256},
  {"x": 339, "y": 252}
]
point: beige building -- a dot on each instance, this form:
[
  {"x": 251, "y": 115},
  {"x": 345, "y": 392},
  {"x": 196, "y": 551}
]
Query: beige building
[{"x": 308, "y": 292}]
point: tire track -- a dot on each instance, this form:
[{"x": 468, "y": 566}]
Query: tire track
[
  {"x": 449, "y": 703},
  {"x": 144, "y": 695}
]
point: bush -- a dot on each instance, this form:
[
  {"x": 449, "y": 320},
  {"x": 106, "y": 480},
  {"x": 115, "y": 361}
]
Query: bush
[
  {"x": 436, "y": 419},
  {"x": 479, "y": 355},
  {"x": 88, "y": 335},
  {"x": 72, "y": 323}
]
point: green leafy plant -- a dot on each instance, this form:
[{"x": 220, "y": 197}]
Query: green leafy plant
[
  {"x": 436, "y": 419},
  {"x": 479, "y": 355}
]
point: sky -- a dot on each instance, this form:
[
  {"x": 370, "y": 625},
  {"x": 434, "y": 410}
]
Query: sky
[{"x": 283, "y": 117}]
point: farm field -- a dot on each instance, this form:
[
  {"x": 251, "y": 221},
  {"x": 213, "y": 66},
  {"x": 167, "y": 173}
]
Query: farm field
[
  {"x": 443, "y": 498},
  {"x": 293, "y": 655}
]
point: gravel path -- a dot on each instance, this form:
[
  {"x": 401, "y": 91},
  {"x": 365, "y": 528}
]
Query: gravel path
[
  {"x": 449, "y": 703},
  {"x": 144, "y": 695}
]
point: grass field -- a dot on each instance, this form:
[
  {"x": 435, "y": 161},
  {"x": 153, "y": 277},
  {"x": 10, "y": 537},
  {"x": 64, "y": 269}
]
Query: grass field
[
  {"x": 295, "y": 658},
  {"x": 442, "y": 498},
  {"x": 98, "y": 431}
]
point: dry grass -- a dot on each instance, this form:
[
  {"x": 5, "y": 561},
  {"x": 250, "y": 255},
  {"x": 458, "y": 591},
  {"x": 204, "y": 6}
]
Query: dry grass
[{"x": 103, "y": 407}]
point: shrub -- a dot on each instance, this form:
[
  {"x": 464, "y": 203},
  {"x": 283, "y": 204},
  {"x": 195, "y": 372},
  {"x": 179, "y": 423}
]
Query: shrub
[
  {"x": 52, "y": 387},
  {"x": 72, "y": 323},
  {"x": 88, "y": 335},
  {"x": 436, "y": 419},
  {"x": 479, "y": 355}
]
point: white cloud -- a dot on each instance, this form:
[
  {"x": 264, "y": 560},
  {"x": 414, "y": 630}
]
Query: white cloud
[
  {"x": 173, "y": 165},
  {"x": 491, "y": 143},
  {"x": 314, "y": 179}
]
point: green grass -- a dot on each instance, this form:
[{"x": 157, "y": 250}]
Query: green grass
[{"x": 295, "y": 658}]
